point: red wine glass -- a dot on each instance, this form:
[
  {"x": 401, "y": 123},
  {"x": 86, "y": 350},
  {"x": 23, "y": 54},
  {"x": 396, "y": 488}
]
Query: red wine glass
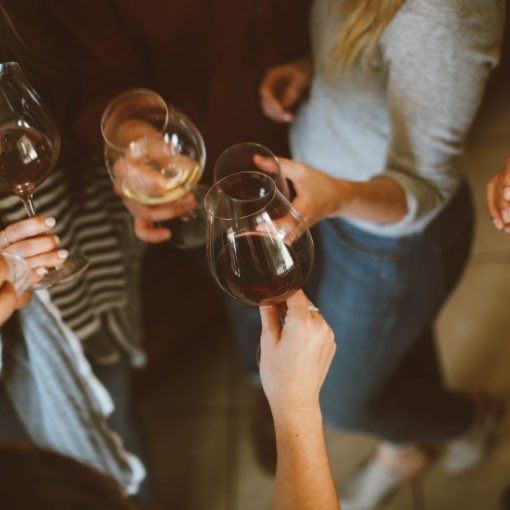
[
  {"x": 259, "y": 249},
  {"x": 29, "y": 149}
]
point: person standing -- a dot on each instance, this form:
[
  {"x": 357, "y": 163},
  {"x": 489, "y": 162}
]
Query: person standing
[{"x": 376, "y": 146}]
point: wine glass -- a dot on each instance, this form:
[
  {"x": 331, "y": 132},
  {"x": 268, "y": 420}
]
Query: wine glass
[
  {"x": 259, "y": 249},
  {"x": 18, "y": 271},
  {"x": 250, "y": 157},
  {"x": 29, "y": 149},
  {"x": 154, "y": 155}
]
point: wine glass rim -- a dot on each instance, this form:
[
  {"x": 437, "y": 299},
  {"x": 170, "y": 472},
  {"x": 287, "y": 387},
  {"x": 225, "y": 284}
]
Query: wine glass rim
[
  {"x": 121, "y": 97},
  {"x": 236, "y": 146},
  {"x": 217, "y": 186}
]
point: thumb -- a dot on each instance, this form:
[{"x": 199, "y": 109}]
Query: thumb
[
  {"x": 291, "y": 95},
  {"x": 271, "y": 328}
]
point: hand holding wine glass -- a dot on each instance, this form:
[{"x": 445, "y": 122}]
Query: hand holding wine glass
[
  {"x": 29, "y": 148},
  {"x": 295, "y": 357},
  {"x": 155, "y": 156}
]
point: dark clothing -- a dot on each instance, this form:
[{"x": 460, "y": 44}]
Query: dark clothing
[{"x": 206, "y": 57}]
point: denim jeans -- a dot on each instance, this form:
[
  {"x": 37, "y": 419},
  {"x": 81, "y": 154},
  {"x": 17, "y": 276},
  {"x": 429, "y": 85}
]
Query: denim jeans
[{"x": 381, "y": 296}]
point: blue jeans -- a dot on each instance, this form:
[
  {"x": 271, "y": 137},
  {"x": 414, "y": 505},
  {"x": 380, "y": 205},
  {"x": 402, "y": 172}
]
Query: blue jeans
[{"x": 381, "y": 295}]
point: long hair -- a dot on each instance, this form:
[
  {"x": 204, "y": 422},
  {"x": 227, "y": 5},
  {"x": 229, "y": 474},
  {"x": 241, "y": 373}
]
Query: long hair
[{"x": 365, "y": 21}]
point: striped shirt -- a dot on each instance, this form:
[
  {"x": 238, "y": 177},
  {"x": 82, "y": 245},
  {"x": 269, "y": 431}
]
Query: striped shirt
[{"x": 100, "y": 227}]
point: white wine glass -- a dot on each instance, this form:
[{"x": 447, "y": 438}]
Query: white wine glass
[
  {"x": 29, "y": 149},
  {"x": 155, "y": 155}
]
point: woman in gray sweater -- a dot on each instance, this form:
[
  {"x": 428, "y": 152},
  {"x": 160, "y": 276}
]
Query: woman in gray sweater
[{"x": 376, "y": 145}]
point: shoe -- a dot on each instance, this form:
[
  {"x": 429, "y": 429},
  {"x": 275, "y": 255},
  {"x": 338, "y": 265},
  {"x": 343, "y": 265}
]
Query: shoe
[
  {"x": 263, "y": 435},
  {"x": 369, "y": 487},
  {"x": 468, "y": 451},
  {"x": 384, "y": 474}
]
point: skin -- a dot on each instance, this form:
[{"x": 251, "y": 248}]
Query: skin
[
  {"x": 8, "y": 299},
  {"x": 32, "y": 240},
  {"x": 293, "y": 365},
  {"x": 498, "y": 198}
]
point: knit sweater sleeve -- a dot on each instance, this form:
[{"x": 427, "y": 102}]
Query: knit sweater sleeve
[{"x": 439, "y": 55}]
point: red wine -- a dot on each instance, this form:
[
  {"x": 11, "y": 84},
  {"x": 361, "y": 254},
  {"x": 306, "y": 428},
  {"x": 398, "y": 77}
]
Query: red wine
[
  {"x": 26, "y": 158},
  {"x": 255, "y": 268}
]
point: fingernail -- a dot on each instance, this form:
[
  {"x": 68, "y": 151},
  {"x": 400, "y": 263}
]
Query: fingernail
[
  {"x": 62, "y": 254},
  {"x": 506, "y": 194},
  {"x": 505, "y": 214},
  {"x": 50, "y": 222},
  {"x": 57, "y": 239},
  {"x": 497, "y": 223},
  {"x": 41, "y": 271}
]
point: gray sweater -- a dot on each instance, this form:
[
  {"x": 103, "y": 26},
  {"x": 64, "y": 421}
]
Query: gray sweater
[{"x": 409, "y": 119}]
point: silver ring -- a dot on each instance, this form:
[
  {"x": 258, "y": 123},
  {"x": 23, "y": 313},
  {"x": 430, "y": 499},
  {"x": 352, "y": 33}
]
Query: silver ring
[
  {"x": 4, "y": 239},
  {"x": 313, "y": 308}
]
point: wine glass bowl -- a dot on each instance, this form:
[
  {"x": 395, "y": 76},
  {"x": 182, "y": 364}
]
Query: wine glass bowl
[
  {"x": 259, "y": 249},
  {"x": 29, "y": 149},
  {"x": 29, "y": 139},
  {"x": 154, "y": 155},
  {"x": 250, "y": 157}
]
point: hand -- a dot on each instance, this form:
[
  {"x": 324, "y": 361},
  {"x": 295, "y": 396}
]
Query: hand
[
  {"x": 8, "y": 299},
  {"x": 145, "y": 215},
  {"x": 498, "y": 198},
  {"x": 31, "y": 240},
  {"x": 317, "y": 194},
  {"x": 283, "y": 87},
  {"x": 294, "y": 359}
]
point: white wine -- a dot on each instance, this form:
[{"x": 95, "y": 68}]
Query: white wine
[{"x": 153, "y": 183}]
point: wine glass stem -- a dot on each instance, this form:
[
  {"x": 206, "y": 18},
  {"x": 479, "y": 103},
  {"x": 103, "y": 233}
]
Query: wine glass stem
[{"x": 29, "y": 204}]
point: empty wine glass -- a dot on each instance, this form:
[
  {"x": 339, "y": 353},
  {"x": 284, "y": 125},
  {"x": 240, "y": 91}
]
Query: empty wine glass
[
  {"x": 155, "y": 155},
  {"x": 251, "y": 157},
  {"x": 259, "y": 249},
  {"x": 18, "y": 271},
  {"x": 29, "y": 149}
]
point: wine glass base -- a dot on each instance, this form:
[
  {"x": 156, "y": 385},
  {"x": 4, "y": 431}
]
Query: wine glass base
[{"x": 70, "y": 269}]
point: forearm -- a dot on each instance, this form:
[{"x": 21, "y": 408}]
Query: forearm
[
  {"x": 303, "y": 475},
  {"x": 380, "y": 200}
]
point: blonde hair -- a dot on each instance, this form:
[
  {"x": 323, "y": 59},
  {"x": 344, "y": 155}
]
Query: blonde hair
[{"x": 364, "y": 25}]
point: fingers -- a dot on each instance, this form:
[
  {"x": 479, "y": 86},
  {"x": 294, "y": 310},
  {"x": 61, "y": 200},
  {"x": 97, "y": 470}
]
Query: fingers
[
  {"x": 8, "y": 300},
  {"x": 271, "y": 91},
  {"x": 34, "y": 246},
  {"x": 146, "y": 231},
  {"x": 271, "y": 328},
  {"x": 161, "y": 212},
  {"x": 498, "y": 198},
  {"x": 298, "y": 301},
  {"x": 25, "y": 228}
]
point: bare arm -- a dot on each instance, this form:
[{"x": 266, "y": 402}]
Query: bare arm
[
  {"x": 319, "y": 195},
  {"x": 293, "y": 366}
]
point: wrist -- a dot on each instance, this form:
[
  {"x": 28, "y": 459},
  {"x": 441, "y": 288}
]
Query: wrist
[
  {"x": 296, "y": 414},
  {"x": 343, "y": 196}
]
